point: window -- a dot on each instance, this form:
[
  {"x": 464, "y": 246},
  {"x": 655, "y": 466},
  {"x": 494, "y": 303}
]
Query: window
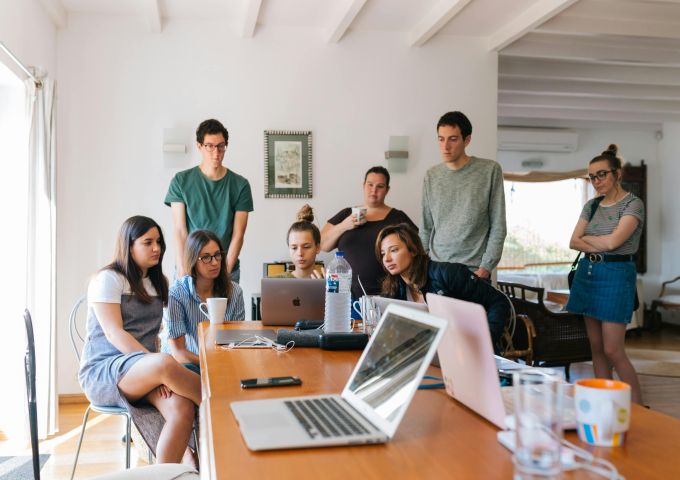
[{"x": 541, "y": 217}]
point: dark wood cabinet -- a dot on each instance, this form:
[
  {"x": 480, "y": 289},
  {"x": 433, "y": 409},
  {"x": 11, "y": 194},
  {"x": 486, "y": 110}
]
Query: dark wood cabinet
[{"x": 635, "y": 180}]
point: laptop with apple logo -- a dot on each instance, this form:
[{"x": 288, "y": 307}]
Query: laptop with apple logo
[{"x": 287, "y": 300}]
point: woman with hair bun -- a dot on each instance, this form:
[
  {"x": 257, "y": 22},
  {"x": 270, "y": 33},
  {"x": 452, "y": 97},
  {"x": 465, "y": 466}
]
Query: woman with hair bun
[
  {"x": 603, "y": 290},
  {"x": 304, "y": 244}
]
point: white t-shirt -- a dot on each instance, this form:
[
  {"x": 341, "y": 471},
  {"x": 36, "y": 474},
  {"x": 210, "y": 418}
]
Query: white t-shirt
[{"x": 109, "y": 286}]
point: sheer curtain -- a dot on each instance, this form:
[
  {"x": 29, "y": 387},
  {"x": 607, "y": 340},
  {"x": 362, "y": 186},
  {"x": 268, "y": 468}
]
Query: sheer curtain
[{"x": 41, "y": 244}]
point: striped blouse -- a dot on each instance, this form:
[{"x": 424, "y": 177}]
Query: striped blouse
[
  {"x": 606, "y": 219},
  {"x": 182, "y": 316}
]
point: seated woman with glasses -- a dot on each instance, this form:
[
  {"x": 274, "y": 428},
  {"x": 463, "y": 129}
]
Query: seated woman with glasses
[
  {"x": 304, "y": 244},
  {"x": 603, "y": 290},
  {"x": 208, "y": 277},
  {"x": 411, "y": 274},
  {"x": 119, "y": 366}
]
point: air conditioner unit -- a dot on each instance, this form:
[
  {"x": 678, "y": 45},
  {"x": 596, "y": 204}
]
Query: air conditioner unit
[{"x": 537, "y": 140}]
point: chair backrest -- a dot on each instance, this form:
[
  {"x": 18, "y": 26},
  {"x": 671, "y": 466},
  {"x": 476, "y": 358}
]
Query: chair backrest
[
  {"x": 29, "y": 370},
  {"x": 77, "y": 338}
]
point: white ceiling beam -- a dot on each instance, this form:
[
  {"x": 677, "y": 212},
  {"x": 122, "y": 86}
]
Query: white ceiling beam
[
  {"x": 435, "y": 20},
  {"x": 612, "y": 26},
  {"x": 586, "y": 103},
  {"x": 152, "y": 13},
  {"x": 588, "y": 89},
  {"x": 541, "y": 69},
  {"x": 344, "y": 19},
  {"x": 526, "y": 21},
  {"x": 549, "y": 114},
  {"x": 252, "y": 11},
  {"x": 581, "y": 123},
  {"x": 55, "y": 10},
  {"x": 602, "y": 50}
]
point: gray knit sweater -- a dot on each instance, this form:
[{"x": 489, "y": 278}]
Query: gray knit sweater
[{"x": 464, "y": 214}]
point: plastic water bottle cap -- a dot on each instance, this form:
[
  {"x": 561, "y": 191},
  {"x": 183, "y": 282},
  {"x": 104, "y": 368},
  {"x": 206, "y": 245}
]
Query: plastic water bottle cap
[{"x": 339, "y": 254}]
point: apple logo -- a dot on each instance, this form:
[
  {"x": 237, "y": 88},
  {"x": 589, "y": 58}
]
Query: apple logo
[{"x": 296, "y": 301}]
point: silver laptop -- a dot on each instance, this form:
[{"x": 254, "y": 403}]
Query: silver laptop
[
  {"x": 469, "y": 366},
  {"x": 374, "y": 400},
  {"x": 244, "y": 338},
  {"x": 384, "y": 302},
  {"x": 287, "y": 300}
]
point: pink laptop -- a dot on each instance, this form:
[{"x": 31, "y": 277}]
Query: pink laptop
[{"x": 467, "y": 359}]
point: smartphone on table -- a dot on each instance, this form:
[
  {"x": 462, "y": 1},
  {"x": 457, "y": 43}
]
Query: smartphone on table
[{"x": 270, "y": 382}]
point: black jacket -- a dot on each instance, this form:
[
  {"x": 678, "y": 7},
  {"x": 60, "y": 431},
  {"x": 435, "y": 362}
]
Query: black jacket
[{"x": 455, "y": 280}]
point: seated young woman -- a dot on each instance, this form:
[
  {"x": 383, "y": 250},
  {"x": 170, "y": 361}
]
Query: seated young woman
[
  {"x": 119, "y": 366},
  {"x": 208, "y": 277},
  {"x": 411, "y": 274},
  {"x": 304, "y": 244}
]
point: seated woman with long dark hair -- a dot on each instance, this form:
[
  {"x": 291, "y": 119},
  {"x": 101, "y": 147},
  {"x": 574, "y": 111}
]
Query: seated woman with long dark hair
[
  {"x": 208, "y": 277},
  {"x": 119, "y": 366},
  {"x": 411, "y": 274}
]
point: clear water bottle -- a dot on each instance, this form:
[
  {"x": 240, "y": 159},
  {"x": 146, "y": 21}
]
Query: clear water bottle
[{"x": 338, "y": 295}]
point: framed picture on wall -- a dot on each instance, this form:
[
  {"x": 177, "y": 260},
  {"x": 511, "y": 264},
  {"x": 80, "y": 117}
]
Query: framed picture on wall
[{"x": 287, "y": 164}]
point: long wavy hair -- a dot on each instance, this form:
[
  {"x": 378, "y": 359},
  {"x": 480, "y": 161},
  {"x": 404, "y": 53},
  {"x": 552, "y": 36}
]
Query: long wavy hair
[
  {"x": 123, "y": 263},
  {"x": 416, "y": 273},
  {"x": 195, "y": 243}
]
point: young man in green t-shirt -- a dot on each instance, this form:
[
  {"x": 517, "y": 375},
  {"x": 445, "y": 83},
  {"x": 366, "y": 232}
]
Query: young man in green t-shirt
[{"x": 210, "y": 197}]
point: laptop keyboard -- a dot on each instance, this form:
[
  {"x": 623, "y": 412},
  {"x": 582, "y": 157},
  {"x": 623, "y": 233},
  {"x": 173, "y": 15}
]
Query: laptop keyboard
[{"x": 324, "y": 416}]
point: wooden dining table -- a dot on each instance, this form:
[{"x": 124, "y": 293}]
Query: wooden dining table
[{"x": 438, "y": 437}]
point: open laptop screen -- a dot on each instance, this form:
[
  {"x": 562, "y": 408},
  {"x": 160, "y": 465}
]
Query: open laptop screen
[{"x": 388, "y": 373}]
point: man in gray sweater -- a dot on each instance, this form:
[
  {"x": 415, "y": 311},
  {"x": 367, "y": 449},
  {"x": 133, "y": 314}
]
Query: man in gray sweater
[{"x": 463, "y": 202}]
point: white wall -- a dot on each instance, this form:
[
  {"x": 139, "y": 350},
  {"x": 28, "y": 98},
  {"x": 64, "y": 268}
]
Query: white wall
[
  {"x": 633, "y": 146},
  {"x": 28, "y": 32},
  {"x": 669, "y": 153},
  {"x": 121, "y": 86}
]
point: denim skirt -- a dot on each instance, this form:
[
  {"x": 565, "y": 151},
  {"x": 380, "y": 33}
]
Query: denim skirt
[{"x": 603, "y": 290}]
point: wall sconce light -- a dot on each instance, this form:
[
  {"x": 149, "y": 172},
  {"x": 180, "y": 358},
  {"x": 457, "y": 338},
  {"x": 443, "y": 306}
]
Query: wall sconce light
[
  {"x": 397, "y": 148},
  {"x": 175, "y": 147},
  {"x": 397, "y": 153}
]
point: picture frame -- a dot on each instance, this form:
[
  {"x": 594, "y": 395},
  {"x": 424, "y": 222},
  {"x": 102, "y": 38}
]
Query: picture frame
[{"x": 287, "y": 164}]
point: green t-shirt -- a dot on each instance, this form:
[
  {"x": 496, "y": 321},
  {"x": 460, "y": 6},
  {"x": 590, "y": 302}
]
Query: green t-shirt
[{"x": 211, "y": 204}]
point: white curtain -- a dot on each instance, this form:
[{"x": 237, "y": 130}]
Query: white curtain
[{"x": 41, "y": 244}]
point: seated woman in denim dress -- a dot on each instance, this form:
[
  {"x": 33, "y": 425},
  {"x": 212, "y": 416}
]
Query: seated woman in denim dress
[
  {"x": 119, "y": 366},
  {"x": 206, "y": 261},
  {"x": 411, "y": 274},
  {"x": 603, "y": 290}
]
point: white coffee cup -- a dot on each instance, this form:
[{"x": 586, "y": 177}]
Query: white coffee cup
[
  {"x": 216, "y": 309},
  {"x": 360, "y": 214},
  {"x": 602, "y": 411}
]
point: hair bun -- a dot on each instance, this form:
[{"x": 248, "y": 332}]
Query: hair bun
[
  {"x": 305, "y": 214},
  {"x": 612, "y": 150}
]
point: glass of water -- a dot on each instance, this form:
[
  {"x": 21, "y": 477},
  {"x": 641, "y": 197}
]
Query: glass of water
[{"x": 538, "y": 434}]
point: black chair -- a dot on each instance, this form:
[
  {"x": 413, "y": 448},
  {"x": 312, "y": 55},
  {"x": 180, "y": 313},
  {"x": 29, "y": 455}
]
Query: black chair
[
  {"x": 29, "y": 369},
  {"x": 555, "y": 339}
]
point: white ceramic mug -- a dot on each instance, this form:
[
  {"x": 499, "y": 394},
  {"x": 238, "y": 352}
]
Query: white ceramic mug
[
  {"x": 216, "y": 309},
  {"x": 360, "y": 214},
  {"x": 602, "y": 411}
]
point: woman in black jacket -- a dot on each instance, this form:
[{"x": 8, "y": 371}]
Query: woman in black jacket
[{"x": 411, "y": 274}]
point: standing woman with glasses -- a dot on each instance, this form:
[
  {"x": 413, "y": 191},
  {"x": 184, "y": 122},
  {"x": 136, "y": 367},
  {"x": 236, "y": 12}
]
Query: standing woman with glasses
[
  {"x": 119, "y": 365},
  {"x": 603, "y": 290},
  {"x": 208, "y": 277}
]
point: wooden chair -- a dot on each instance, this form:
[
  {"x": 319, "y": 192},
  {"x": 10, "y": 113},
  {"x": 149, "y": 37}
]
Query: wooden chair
[
  {"x": 667, "y": 301},
  {"x": 553, "y": 339},
  {"x": 29, "y": 370}
]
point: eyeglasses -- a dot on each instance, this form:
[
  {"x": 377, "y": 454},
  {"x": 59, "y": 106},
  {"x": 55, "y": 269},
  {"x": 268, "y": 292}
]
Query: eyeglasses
[
  {"x": 207, "y": 258},
  {"x": 221, "y": 147},
  {"x": 601, "y": 175}
]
